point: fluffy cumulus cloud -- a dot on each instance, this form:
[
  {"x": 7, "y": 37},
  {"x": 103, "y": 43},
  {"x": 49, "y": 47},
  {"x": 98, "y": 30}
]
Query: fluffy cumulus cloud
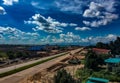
[
  {"x": 74, "y": 6},
  {"x": 10, "y": 2},
  {"x": 2, "y": 11},
  {"x": 104, "y": 39},
  {"x": 82, "y": 28},
  {"x": 102, "y": 12},
  {"x": 71, "y": 38},
  {"x": 9, "y": 35},
  {"x": 63, "y": 38},
  {"x": 49, "y": 24}
]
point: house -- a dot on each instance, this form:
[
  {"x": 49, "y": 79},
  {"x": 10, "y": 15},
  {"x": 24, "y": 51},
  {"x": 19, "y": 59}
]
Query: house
[
  {"x": 113, "y": 65},
  {"x": 97, "y": 80},
  {"x": 101, "y": 51}
]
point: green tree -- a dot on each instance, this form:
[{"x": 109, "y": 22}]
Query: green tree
[
  {"x": 91, "y": 60},
  {"x": 19, "y": 54},
  {"x": 11, "y": 55},
  {"x": 63, "y": 77}
]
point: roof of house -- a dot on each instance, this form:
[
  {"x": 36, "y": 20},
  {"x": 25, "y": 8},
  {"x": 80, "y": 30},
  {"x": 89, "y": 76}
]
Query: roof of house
[
  {"x": 113, "y": 60},
  {"x": 97, "y": 80},
  {"x": 100, "y": 50}
]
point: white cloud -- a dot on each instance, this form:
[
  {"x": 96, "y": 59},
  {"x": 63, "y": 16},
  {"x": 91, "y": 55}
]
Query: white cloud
[
  {"x": 2, "y": 11},
  {"x": 109, "y": 17},
  {"x": 104, "y": 39},
  {"x": 102, "y": 12},
  {"x": 82, "y": 28},
  {"x": 9, "y": 35},
  {"x": 47, "y": 24},
  {"x": 74, "y": 6},
  {"x": 93, "y": 10},
  {"x": 10, "y": 2},
  {"x": 69, "y": 37},
  {"x": 66, "y": 38}
]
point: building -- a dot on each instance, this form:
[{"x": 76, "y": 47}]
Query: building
[
  {"x": 97, "y": 80},
  {"x": 113, "y": 65},
  {"x": 101, "y": 51}
]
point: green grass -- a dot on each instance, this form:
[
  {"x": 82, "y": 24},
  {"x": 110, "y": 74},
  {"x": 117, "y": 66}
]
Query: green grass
[
  {"x": 82, "y": 61},
  {"x": 28, "y": 66}
]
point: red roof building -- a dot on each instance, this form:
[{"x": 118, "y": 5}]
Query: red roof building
[{"x": 101, "y": 51}]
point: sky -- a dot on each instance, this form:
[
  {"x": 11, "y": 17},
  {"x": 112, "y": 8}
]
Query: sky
[{"x": 80, "y": 22}]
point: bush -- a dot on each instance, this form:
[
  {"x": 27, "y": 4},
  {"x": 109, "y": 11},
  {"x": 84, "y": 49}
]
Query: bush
[
  {"x": 63, "y": 77},
  {"x": 83, "y": 74},
  {"x": 74, "y": 61},
  {"x": 107, "y": 75}
]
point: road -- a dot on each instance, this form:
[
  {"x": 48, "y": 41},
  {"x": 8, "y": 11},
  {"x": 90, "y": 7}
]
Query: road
[
  {"x": 2, "y": 70},
  {"x": 21, "y": 76}
]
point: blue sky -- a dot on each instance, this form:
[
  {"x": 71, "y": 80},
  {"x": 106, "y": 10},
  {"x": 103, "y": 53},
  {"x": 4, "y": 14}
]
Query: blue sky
[{"x": 59, "y": 21}]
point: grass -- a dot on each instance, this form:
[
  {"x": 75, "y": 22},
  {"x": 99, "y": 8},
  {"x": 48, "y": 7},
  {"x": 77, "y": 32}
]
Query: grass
[
  {"x": 82, "y": 61},
  {"x": 29, "y": 66}
]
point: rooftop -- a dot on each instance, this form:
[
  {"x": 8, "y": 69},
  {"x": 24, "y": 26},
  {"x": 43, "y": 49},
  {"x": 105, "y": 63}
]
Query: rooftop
[
  {"x": 97, "y": 80},
  {"x": 101, "y": 50},
  {"x": 113, "y": 60}
]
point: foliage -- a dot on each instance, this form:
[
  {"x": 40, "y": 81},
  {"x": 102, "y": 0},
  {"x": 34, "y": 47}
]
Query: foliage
[
  {"x": 107, "y": 75},
  {"x": 74, "y": 61},
  {"x": 2, "y": 55},
  {"x": 114, "y": 46},
  {"x": 102, "y": 45},
  {"x": 63, "y": 77},
  {"x": 11, "y": 54},
  {"x": 83, "y": 74},
  {"x": 91, "y": 60}
]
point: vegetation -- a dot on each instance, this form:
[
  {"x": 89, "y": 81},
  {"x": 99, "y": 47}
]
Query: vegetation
[
  {"x": 13, "y": 55},
  {"x": 28, "y": 66},
  {"x": 114, "y": 46},
  {"x": 63, "y": 77},
  {"x": 107, "y": 75},
  {"x": 3, "y": 56},
  {"x": 74, "y": 61},
  {"x": 83, "y": 74},
  {"x": 92, "y": 60}
]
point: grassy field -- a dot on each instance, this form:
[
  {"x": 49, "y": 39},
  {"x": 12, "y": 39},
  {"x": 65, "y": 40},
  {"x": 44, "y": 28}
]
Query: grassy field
[{"x": 29, "y": 66}]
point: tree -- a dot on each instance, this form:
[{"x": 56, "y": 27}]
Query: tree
[
  {"x": 114, "y": 46},
  {"x": 91, "y": 60},
  {"x": 11, "y": 55},
  {"x": 19, "y": 54},
  {"x": 102, "y": 45},
  {"x": 63, "y": 77}
]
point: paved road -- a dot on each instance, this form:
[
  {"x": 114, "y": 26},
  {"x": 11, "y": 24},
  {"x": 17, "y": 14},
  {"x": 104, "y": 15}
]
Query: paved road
[
  {"x": 18, "y": 77},
  {"x": 2, "y": 70}
]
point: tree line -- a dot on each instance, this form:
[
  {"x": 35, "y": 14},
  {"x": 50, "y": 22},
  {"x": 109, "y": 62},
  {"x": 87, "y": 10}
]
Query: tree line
[{"x": 114, "y": 46}]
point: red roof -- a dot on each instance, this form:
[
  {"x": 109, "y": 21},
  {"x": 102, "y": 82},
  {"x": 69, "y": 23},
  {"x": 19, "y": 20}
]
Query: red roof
[{"x": 100, "y": 50}]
